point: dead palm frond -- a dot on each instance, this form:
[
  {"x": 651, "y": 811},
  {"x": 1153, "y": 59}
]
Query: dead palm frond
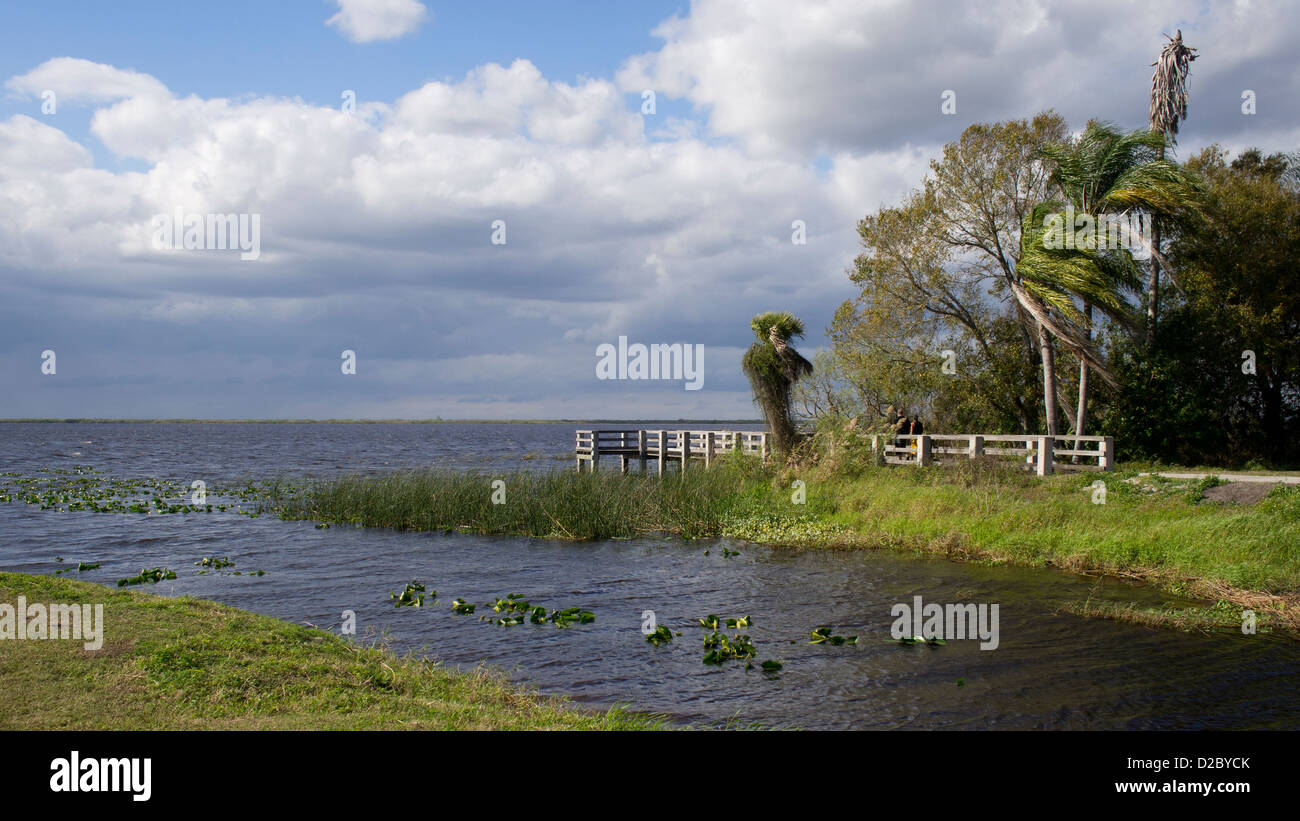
[{"x": 1169, "y": 87}]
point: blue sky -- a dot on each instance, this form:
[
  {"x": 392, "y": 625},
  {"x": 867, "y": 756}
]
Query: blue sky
[{"x": 377, "y": 227}]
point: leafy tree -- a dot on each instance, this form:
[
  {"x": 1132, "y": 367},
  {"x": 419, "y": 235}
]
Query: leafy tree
[
  {"x": 773, "y": 368},
  {"x": 940, "y": 270}
]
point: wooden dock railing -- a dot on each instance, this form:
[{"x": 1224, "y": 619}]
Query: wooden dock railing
[
  {"x": 681, "y": 446},
  {"x": 662, "y": 446}
]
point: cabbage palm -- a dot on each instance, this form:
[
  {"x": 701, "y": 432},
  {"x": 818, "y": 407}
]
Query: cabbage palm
[
  {"x": 773, "y": 367},
  {"x": 1103, "y": 174}
]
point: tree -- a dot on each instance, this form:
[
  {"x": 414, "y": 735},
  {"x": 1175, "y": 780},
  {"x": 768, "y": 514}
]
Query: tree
[
  {"x": 773, "y": 368},
  {"x": 1102, "y": 177},
  {"x": 1243, "y": 281},
  {"x": 1167, "y": 112},
  {"x": 941, "y": 268}
]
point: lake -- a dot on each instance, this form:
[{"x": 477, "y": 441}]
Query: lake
[{"x": 1051, "y": 669}]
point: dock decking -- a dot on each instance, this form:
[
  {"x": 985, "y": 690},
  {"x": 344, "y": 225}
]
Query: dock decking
[{"x": 662, "y": 446}]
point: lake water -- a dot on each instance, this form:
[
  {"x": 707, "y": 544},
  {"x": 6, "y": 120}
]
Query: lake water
[{"x": 1051, "y": 669}]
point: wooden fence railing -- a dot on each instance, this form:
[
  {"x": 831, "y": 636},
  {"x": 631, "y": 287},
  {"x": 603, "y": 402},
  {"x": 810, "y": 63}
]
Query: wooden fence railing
[{"x": 1075, "y": 452}]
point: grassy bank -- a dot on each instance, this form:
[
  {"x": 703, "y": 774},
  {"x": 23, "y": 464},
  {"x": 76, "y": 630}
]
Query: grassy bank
[
  {"x": 1161, "y": 531},
  {"x": 185, "y": 663}
]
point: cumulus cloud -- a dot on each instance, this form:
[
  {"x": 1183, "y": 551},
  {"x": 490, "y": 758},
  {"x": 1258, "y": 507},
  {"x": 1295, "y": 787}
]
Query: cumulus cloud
[
  {"x": 377, "y": 226},
  {"x": 365, "y": 21},
  {"x": 862, "y": 75},
  {"x": 75, "y": 80}
]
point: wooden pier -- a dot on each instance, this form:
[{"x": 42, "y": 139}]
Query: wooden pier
[
  {"x": 1042, "y": 454},
  {"x": 660, "y": 446}
]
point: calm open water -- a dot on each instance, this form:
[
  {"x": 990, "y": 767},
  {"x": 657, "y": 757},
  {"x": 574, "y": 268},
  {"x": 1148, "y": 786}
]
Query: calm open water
[{"x": 1051, "y": 670}]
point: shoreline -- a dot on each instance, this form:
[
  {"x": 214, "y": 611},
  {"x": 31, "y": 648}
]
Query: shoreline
[
  {"x": 174, "y": 663},
  {"x": 1172, "y": 535}
]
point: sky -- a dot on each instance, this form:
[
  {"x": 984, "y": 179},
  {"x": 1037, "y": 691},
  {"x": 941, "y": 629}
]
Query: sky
[{"x": 450, "y": 208}]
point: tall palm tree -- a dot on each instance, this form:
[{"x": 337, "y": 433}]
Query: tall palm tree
[
  {"x": 1102, "y": 175},
  {"x": 773, "y": 367},
  {"x": 1167, "y": 112}
]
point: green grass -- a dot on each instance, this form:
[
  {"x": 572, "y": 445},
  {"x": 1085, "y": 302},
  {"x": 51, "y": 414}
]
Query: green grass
[
  {"x": 557, "y": 504},
  {"x": 185, "y": 663}
]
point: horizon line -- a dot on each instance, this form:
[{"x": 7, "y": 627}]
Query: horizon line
[{"x": 428, "y": 421}]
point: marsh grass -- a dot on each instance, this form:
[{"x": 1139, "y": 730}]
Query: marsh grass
[{"x": 556, "y": 504}]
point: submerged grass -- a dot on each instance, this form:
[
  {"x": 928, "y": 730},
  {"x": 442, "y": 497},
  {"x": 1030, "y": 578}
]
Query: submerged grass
[{"x": 185, "y": 663}]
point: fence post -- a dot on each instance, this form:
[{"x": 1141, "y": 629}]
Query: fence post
[
  {"x": 684, "y": 439},
  {"x": 640, "y": 448},
  {"x": 976, "y": 446},
  {"x": 1106, "y": 460},
  {"x": 1045, "y": 447},
  {"x": 595, "y": 449},
  {"x": 708, "y": 449},
  {"x": 922, "y": 450},
  {"x": 663, "y": 445},
  {"x": 762, "y": 438}
]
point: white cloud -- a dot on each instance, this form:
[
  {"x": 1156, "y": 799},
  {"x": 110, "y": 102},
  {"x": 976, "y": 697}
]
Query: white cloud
[
  {"x": 376, "y": 227},
  {"x": 75, "y": 80},
  {"x": 365, "y": 21},
  {"x": 867, "y": 75}
]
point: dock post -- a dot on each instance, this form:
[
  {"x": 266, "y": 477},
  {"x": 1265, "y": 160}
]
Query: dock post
[
  {"x": 762, "y": 439},
  {"x": 640, "y": 448},
  {"x": 1106, "y": 460},
  {"x": 708, "y": 449},
  {"x": 922, "y": 450},
  {"x": 663, "y": 445},
  {"x": 684, "y": 440},
  {"x": 595, "y": 449},
  {"x": 1045, "y": 447},
  {"x": 976, "y": 446}
]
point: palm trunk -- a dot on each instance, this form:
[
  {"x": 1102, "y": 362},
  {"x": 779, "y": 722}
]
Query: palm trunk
[
  {"x": 1153, "y": 285},
  {"x": 1049, "y": 378},
  {"x": 1081, "y": 416}
]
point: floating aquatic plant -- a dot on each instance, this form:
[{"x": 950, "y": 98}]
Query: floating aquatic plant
[
  {"x": 412, "y": 596},
  {"x": 934, "y": 641},
  {"x": 719, "y": 648},
  {"x": 661, "y": 635},
  {"x": 462, "y": 606},
  {"x": 823, "y": 635},
  {"x": 148, "y": 576}
]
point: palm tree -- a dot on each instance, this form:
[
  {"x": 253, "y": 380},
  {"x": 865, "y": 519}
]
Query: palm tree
[
  {"x": 1102, "y": 177},
  {"x": 773, "y": 367},
  {"x": 1168, "y": 110}
]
